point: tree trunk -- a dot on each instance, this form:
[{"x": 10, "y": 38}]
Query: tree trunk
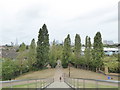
[
  {"x": 106, "y": 70},
  {"x": 20, "y": 72},
  {"x": 96, "y": 69},
  {"x": 99, "y": 69},
  {"x": 87, "y": 67}
]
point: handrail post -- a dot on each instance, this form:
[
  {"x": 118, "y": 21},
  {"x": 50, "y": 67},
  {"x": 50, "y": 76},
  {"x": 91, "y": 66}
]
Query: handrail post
[
  {"x": 36, "y": 83},
  {"x": 71, "y": 82},
  {"x": 44, "y": 83},
  {"x": 77, "y": 84},
  {"x": 28, "y": 84},
  {"x": 74, "y": 83},
  {"x": 96, "y": 84},
  {"x": 11, "y": 84},
  {"x": 41, "y": 83},
  {"x": 83, "y": 83}
]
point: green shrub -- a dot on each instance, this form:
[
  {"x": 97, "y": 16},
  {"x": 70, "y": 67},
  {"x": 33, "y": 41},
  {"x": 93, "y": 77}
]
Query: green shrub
[{"x": 9, "y": 69}]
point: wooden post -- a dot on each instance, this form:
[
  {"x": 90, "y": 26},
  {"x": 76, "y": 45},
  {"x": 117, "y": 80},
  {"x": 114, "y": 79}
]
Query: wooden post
[{"x": 69, "y": 70}]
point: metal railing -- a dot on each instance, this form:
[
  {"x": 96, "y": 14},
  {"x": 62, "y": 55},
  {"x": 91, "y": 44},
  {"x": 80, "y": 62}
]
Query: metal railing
[
  {"x": 90, "y": 83},
  {"x": 27, "y": 83}
]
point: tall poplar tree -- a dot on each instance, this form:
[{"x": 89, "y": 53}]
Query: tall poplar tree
[
  {"x": 98, "y": 51},
  {"x": 42, "y": 47},
  {"x": 77, "y": 49},
  {"x": 21, "y": 56},
  {"x": 66, "y": 52},
  {"x": 32, "y": 55},
  {"x": 88, "y": 52},
  {"x": 52, "y": 55}
]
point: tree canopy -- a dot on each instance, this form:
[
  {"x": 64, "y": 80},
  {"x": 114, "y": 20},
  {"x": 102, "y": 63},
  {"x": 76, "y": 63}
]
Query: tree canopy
[
  {"x": 66, "y": 51},
  {"x": 42, "y": 47},
  {"x": 98, "y": 51}
]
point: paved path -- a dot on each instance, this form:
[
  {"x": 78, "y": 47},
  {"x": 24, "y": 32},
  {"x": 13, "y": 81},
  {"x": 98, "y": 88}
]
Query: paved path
[{"x": 57, "y": 83}]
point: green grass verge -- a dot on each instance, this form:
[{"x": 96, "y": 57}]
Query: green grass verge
[
  {"x": 0, "y": 70},
  {"x": 30, "y": 85},
  {"x": 92, "y": 85},
  {"x": 89, "y": 85}
]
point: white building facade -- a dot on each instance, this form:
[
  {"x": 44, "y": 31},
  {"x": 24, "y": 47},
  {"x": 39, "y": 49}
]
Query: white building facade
[{"x": 107, "y": 51}]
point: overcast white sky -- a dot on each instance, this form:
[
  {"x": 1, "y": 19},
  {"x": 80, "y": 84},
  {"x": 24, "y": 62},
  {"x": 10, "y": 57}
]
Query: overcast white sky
[{"x": 22, "y": 19}]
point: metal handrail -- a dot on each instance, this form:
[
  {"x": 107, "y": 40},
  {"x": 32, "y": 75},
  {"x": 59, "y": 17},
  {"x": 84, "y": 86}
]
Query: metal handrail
[
  {"x": 22, "y": 80},
  {"x": 74, "y": 82},
  {"x": 112, "y": 81},
  {"x": 47, "y": 82}
]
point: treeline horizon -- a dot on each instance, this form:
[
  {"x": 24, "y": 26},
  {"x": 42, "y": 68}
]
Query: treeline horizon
[{"x": 38, "y": 55}]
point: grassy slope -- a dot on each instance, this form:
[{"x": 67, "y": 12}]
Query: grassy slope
[
  {"x": 0, "y": 70},
  {"x": 37, "y": 74},
  {"x": 76, "y": 73},
  {"x": 79, "y": 73},
  {"x": 30, "y": 85}
]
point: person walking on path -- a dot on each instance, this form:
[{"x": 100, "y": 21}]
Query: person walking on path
[{"x": 60, "y": 79}]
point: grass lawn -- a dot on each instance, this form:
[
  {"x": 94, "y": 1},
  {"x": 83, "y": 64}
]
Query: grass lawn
[
  {"x": 0, "y": 73},
  {"x": 93, "y": 85},
  {"x": 30, "y": 85},
  {"x": 47, "y": 73},
  {"x": 37, "y": 74},
  {"x": 80, "y": 73}
]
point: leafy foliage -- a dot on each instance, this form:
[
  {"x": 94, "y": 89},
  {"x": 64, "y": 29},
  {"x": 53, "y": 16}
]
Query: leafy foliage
[
  {"x": 66, "y": 52},
  {"x": 55, "y": 53},
  {"x": 77, "y": 50},
  {"x": 97, "y": 51},
  {"x": 22, "y": 56},
  {"x": 42, "y": 48},
  {"x": 0, "y": 69},
  {"x": 112, "y": 63},
  {"x": 32, "y": 55},
  {"x": 87, "y": 52},
  {"x": 22, "y": 47},
  {"x": 9, "y": 69}
]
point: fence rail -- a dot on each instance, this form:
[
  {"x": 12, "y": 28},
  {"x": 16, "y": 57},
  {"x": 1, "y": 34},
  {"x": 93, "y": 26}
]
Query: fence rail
[
  {"x": 90, "y": 83},
  {"x": 27, "y": 83}
]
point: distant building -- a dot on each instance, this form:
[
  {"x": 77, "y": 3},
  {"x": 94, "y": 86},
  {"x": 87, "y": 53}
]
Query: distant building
[
  {"x": 111, "y": 51},
  {"x": 82, "y": 50},
  {"x": 16, "y": 42},
  {"x": 107, "y": 51},
  {"x": 108, "y": 42},
  {"x": 0, "y": 51},
  {"x": 8, "y": 52}
]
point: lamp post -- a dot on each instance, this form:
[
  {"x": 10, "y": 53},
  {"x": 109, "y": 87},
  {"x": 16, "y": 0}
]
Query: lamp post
[{"x": 69, "y": 68}]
